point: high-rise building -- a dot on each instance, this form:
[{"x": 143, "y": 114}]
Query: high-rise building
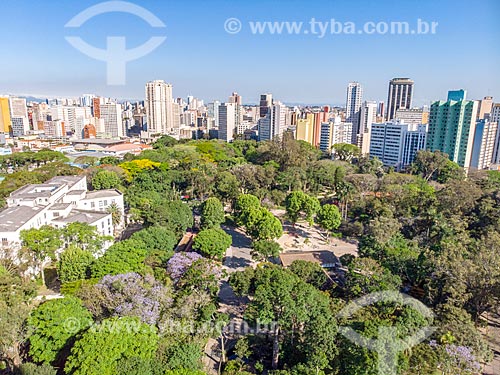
[
  {"x": 399, "y": 96},
  {"x": 274, "y": 123},
  {"x": 86, "y": 100},
  {"x": 238, "y": 111},
  {"x": 495, "y": 117},
  {"x": 353, "y": 108},
  {"x": 19, "y": 116},
  {"x": 5, "y": 122},
  {"x": 381, "y": 109},
  {"x": 88, "y": 131},
  {"x": 485, "y": 106},
  {"x": 76, "y": 118},
  {"x": 305, "y": 128},
  {"x": 235, "y": 98},
  {"x": 266, "y": 100},
  {"x": 18, "y": 107},
  {"x": 226, "y": 122},
  {"x": 396, "y": 143},
  {"x": 319, "y": 118},
  {"x": 159, "y": 111},
  {"x": 333, "y": 132},
  {"x": 451, "y": 129},
  {"x": 413, "y": 116},
  {"x": 457, "y": 95},
  {"x": 495, "y": 113},
  {"x": 111, "y": 114},
  {"x": 213, "y": 113},
  {"x": 483, "y": 146},
  {"x": 96, "y": 107},
  {"x": 368, "y": 115}
]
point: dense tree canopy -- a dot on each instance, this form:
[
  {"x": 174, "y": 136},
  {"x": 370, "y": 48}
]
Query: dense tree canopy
[
  {"x": 122, "y": 257},
  {"x": 99, "y": 350},
  {"x": 74, "y": 264},
  {"x": 105, "y": 179},
  {"x": 54, "y": 325},
  {"x": 212, "y": 243},
  {"x": 430, "y": 232},
  {"x": 212, "y": 213}
]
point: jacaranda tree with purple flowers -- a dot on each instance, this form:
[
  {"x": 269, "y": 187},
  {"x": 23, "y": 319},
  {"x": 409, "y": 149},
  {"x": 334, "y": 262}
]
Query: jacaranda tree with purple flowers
[
  {"x": 456, "y": 359},
  {"x": 129, "y": 294},
  {"x": 180, "y": 262}
]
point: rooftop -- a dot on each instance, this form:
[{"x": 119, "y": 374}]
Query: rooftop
[
  {"x": 13, "y": 218},
  {"x": 36, "y": 190},
  {"x": 81, "y": 216},
  {"x": 69, "y": 180},
  {"x": 102, "y": 194},
  {"x": 76, "y": 192},
  {"x": 125, "y": 147},
  {"x": 98, "y": 141},
  {"x": 59, "y": 206}
]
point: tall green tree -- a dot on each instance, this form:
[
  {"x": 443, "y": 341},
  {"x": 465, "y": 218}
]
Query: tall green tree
[
  {"x": 105, "y": 179},
  {"x": 212, "y": 243},
  {"x": 173, "y": 215},
  {"x": 212, "y": 213},
  {"x": 366, "y": 275},
  {"x": 41, "y": 244},
  {"x": 300, "y": 313},
  {"x": 74, "y": 264},
  {"x": 263, "y": 225},
  {"x": 328, "y": 217},
  {"x": 245, "y": 204},
  {"x": 99, "y": 350},
  {"x": 263, "y": 250},
  {"x": 16, "y": 297},
  {"x": 298, "y": 202},
  {"x": 54, "y": 326},
  {"x": 156, "y": 239},
  {"x": 345, "y": 151},
  {"x": 84, "y": 236},
  {"x": 122, "y": 257}
]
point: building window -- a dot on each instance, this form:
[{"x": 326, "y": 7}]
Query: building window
[
  {"x": 56, "y": 214},
  {"x": 92, "y": 204},
  {"x": 4, "y": 241},
  {"x": 100, "y": 203}
]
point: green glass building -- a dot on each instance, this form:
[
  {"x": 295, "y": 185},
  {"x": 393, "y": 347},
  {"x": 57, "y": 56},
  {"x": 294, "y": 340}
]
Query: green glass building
[{"x": 451, "y": 129}]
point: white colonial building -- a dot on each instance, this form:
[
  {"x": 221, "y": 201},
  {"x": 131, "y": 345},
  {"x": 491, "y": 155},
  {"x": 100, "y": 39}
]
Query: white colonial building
[{"x": 58, "y": 202}]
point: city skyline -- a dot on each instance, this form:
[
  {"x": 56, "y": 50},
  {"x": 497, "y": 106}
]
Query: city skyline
[{"x": 289, "y": 66}]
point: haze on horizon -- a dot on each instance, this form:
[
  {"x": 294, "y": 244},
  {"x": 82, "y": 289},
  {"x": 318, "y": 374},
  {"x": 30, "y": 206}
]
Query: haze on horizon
[{"x": 201, "y": 59}]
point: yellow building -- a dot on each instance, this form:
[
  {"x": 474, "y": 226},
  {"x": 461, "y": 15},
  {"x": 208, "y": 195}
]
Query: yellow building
[
  {"x": 305, "y": 129},
  {"x": 5, "y": 123}
]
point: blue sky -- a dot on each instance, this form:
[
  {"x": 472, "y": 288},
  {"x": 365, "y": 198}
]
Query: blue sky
[{"x": 199, "y": 58}]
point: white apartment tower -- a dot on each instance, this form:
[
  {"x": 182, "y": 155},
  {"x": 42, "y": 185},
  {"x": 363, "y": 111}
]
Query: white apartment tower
[
  {"x": 274, "y": 123},
  {"x": 159, "y": 111},
  {"x": 19, "y": 116},
  {"x": 368, "y": 116},
  {"x": 485, "y": 142},
  {"x": 111, "y": 114},
  {"x": 396, "y": 143},
  {"x": 353, "y": 107},
  {"x": 226, "y": 121}
]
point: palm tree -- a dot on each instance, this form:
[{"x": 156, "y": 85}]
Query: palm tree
[{"x": 116, "y": 215}]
